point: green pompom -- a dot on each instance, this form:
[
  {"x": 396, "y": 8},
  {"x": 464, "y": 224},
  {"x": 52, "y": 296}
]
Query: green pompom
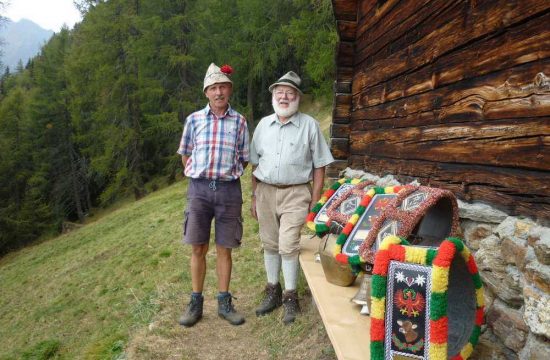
[
  {"x": 321, "y": 229},
  {"x": 360, "y": 210},
  {"x": 458, "y": 243},
  {"x": 438, "y": 306},
  {"x": 378, "y": 286},
  {"x": 341, "y": 239},
  {"x": 379, "y": 190},
  {"x": 377, "y": 350},
  {"x": 477, "y": 281},
  {"x": 430, "y": 256},
  {"x": 474, "y": 338},
  {"x": 316, "y": 208}
]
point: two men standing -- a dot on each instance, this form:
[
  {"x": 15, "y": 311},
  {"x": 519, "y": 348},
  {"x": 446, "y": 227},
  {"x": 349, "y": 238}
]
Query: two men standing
[{"x": 287, "y": 151}]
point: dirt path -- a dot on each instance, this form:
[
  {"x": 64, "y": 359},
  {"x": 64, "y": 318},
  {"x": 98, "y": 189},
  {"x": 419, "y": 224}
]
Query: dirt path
[{"x": 214, "y": 338}]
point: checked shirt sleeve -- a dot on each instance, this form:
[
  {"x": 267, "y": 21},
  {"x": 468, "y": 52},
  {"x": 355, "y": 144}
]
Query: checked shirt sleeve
[
  {"x": 186, "y": 143},
  {"x": 243, "y": 142}
]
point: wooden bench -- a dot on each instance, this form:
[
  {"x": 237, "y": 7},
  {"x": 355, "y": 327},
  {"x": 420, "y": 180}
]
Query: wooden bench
[{"x": 347, "y": 329}]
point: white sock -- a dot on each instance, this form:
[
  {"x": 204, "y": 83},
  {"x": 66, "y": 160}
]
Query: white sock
[
  {"x": 272, "y": 261},
  {"x": 290, "y": 271}
]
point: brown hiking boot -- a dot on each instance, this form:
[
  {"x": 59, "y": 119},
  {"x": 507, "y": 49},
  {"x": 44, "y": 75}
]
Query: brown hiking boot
[
  {"x": 227, "y": 311},
  {"x": 273, "y": 298},
  {"x": 291, "y": 306},
  {"x": 193, "y": 313}
]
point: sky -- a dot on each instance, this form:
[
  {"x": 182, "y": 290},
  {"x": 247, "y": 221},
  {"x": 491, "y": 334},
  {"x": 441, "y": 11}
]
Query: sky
[{"x": 49, "y": 14}]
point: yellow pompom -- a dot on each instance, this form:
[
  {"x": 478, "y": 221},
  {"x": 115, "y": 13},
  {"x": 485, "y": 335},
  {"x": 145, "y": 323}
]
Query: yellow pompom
[
  {"x": 440, "y": 279},
  {"x": 388, "y": 190},
  {"x": 416, "y": 255},
  {"x": 354, "y": 219},
  {"x": 389, "y": 240},
  {"x": 466, "y": 351},
  {"x": 438, "y": 351},
  {"x": 378, "y": 308},
  {"x": 479, "y": 297}
]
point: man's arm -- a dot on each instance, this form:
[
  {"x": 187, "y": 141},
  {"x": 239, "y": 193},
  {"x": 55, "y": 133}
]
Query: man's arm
[
  {"x": 318, "y": 178},
  {"x": 184, "y": 159},
  {"x": 253, "y": 201}
]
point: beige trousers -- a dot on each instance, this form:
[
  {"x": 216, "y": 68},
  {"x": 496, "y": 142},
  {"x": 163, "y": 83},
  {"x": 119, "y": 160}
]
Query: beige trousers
[{"x": 281, "y": 215}]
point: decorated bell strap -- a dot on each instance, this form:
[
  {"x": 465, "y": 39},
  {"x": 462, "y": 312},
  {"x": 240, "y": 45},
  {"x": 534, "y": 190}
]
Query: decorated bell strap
[
  {"x": 430, "y": 212},
  {"x": 341, "y": 209},
  {"x": 317, "y": 219},
  {"x": 355, "y": 261},
  {"x": 426, "y": 303}
]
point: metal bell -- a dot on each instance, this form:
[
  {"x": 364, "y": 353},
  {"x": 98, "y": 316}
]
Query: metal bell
[{"x": 363, "y": 295}]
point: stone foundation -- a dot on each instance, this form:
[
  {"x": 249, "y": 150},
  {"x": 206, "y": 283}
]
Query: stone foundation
[{"x": 513, "y": 257}]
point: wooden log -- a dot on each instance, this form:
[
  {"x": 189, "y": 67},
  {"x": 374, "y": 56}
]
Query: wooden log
[
  {"x": 371, "y": 11},
  {"x": 515, "y": 191},
  {"x": 507, "y": 143},
  {"x": 345, "y": 120},
  {"x": 486, "y": 18},
  {"x": 345, "y": 9},
  {"x": 375, "y": 24},
  {"x": 524, "y": 43},
  {"x": 339, "y": 148},
  {"x": 339, "y": 131},
  {"x": 343, "y": 87},
  {"x": 342, "y": 106},
  {"x": 486, "y": 97},
  {"x": 344, "y": 56},
  {"x": 334, "y": 169},
  {"x": 344, "y": 74},
  {"x": 346, "y": 30}
]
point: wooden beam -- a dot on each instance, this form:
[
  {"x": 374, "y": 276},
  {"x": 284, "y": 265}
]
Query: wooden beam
[
  {"x": 345, "y": 9},
  {"x": 515, "y": 191},
  {"x": 449, "y": 33}
]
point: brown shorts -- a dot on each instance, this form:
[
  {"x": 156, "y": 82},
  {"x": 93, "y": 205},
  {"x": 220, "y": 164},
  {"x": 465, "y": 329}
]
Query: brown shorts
[{"x": 221, "y": 200}]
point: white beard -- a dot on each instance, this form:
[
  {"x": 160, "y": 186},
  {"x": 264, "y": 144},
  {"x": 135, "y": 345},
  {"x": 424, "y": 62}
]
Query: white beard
[{"x": 286, "y": 112}]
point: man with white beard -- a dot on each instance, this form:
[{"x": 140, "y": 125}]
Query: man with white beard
[{"x": 288, "y": 151}]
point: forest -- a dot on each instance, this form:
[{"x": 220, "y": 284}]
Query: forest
[{"x": 97, "y": 116}]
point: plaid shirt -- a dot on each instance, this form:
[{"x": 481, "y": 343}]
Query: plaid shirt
[{"x": 216, "y": 147}]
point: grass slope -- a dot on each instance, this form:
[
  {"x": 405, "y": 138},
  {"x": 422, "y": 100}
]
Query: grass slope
[{"x": 114, "y": 289}]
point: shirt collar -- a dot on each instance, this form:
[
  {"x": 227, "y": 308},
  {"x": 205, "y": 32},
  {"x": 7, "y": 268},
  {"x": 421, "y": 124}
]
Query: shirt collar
[
  {"x": 229, "y": 110},
  {"x": 294, "y": 119}
]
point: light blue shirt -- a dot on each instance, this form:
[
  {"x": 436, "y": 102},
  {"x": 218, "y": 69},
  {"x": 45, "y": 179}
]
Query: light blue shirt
[{"x": 286, "y": 154}]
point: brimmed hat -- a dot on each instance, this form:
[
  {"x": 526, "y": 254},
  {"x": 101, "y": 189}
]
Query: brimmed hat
[
  {"x": 215, "y": 75},
  {"x": 289, "y": 79}
]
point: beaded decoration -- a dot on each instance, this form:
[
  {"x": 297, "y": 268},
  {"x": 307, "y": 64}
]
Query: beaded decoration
[{"x": 397, "y": 249}]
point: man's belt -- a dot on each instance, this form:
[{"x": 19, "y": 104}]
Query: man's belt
[{"x": 282, "y": 186}]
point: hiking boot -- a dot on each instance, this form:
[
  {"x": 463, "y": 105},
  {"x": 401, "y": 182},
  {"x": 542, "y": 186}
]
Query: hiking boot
[
  {"x": 193, "y": 313},
  {"x": 291, "y": 306},
  {"x": 227, "y": 311},
  {"x": 273, "y": 299}
]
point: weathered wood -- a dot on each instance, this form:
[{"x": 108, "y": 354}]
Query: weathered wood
[
  {"x": 346, "y": 30},
  {"x": 334, "y": 169},
  {"x": 514, "y": 92},
  {"x": 525, "y": 43},
  {"x": 370, "y": 43},
  {"x": 339, "y": 148},
  {"x": 345, "y": 9},
  {"x": 342, "y": 106},
  {"x": 339, "y": 131},
  {"x": 342, "y": 87},
  {"x": 370, "y": 28},
  {"x": 457, "y": 31},
  {"x": 344, "y": 74},
  {"x": 512, "y": 143},
  {"x": 345, "y": 120},
  {"x": 345, "y": 54},
  {"x": 371, "y": 11},
  {"x": 515, "y": 191}
]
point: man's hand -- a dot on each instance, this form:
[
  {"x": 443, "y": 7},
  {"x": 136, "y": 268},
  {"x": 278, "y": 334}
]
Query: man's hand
[{"x": 253, "y": 208}]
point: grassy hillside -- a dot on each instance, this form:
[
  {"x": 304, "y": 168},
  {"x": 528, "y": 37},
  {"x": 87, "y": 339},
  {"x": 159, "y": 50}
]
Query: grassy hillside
[{"x": 115, "y": 288}]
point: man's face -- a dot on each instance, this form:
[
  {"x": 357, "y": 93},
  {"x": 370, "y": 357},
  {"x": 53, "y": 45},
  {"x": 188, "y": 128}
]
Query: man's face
[
  {"x": 284, "y": 95},
  {"x": 218, "y": 95},
  {"x": 285, "y": 101}
]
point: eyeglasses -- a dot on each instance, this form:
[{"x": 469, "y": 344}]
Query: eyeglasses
[{"x": 288, "y": 93}]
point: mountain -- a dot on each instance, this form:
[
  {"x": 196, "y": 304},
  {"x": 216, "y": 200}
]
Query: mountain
[{"x": 21, "y": 40}]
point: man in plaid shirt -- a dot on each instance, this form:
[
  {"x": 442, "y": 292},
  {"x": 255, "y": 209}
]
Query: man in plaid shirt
[{"x": 214, "y": 150}]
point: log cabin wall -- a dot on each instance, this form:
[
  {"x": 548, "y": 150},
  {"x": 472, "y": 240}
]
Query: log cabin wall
[{"x": 453, "y": 93}]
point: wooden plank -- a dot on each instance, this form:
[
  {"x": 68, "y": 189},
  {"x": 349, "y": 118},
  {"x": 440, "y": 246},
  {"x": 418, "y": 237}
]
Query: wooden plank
[
  {"x": 507, "y": 143},
  {"x": 334, "y": 169},
  {"x": 465, "y": 26},
  {"x": 344, "y": 52},
  {"x": 347, "y": 329},
  {"x": 371, "y": 12},
  {"x": 344, "y": 74},
  {"x": 345, "y": 9},
  {"x": 339, "y": 147},
  {"x": 485, "y": 97},
  {"x": 370, "y": 28},
  {"x": 515, "y": 191},
  {"x": 339, "y": 131},
  {"x": 343, "y": 87},
  {"x": 342, "y": 106},
  {"x": 346, "y": 30},
  {"x": 524, "y": 43}
]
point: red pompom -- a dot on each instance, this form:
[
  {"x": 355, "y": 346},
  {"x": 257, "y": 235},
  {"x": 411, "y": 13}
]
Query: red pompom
[{"x": 226, "y": 69}]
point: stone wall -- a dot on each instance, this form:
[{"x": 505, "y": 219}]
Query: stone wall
[{"x": 513, "y": 257}]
